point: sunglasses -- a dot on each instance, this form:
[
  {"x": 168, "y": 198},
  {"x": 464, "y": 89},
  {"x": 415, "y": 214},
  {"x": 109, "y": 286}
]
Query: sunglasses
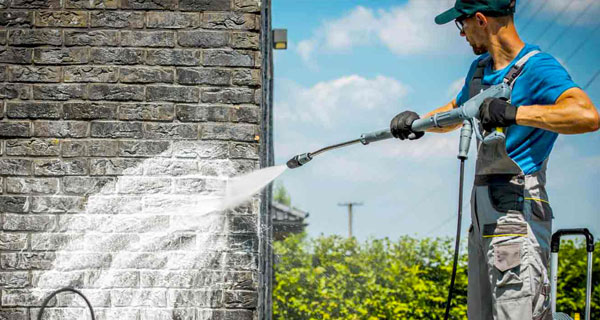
[{"x": 460, "y": 23}]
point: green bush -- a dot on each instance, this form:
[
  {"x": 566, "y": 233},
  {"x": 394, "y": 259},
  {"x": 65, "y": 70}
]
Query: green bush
[
  {"x": 339, "y": 278},
  {"x": 572, "y": 264}
]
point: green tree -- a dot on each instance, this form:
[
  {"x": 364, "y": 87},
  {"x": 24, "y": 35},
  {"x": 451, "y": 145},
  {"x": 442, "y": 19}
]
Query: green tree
[
  {"x": 281, "y": 195},
  {"x": 339, "y": 278},
  {"x": 572, "y": 265}
]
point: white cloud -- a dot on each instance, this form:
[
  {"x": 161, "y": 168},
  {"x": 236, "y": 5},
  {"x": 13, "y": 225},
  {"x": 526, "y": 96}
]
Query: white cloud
[
  {"x": 339, "y": 99},
  {"x": 377, "y": 162},
  {"x": 356, "y": 28},
  {"x": 341, "y": 109},
  {"x": 305, "y": 49},
  {"x": 406, "y": 29},
  {"x": 410, "y": 29}
]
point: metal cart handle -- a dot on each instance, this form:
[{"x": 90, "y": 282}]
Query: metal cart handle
[
  {"x": 589, "y": 238},
  {"x": 554, "y": 247}
]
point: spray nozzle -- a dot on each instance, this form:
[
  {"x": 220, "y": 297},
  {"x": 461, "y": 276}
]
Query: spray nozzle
[{"x": 298, "y": 160}]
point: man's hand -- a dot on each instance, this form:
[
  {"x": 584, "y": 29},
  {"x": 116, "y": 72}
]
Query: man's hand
[
  {"x": 400, "y": 126},
  {"x": 495, "y": 112}
]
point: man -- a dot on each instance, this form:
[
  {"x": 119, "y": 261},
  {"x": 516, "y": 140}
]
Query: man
[{"x": 511, "y": 217}]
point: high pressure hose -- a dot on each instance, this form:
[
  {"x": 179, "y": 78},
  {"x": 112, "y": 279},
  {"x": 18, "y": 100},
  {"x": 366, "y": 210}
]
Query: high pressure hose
[
  {"x": 465, "y": 113},
  {"x": 457, "y": 242},
  {"x": 463, "y": 150},
  {"x": 47, "y": 300},
  {"x": 468, "y": 114}
]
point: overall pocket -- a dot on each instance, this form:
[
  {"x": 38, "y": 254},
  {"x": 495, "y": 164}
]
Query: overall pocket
[
  {"x": 507, "y": 259},
  {"x": 540, "y": 209},
  {"x": 506, "y": 196}
]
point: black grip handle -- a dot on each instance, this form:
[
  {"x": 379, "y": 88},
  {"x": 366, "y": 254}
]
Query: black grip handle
[{"x": 589, "y": 238}]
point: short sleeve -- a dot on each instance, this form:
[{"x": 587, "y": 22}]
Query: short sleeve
[{"x": 548, "y": 79}]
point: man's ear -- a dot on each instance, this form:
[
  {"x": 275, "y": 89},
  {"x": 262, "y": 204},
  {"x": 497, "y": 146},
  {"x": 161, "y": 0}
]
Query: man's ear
[{"x": 481, "y": 19}]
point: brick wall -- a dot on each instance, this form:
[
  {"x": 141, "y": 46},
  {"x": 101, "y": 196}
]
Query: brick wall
[{"x": 120, "y": 120}]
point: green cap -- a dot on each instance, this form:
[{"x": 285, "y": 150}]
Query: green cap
[{"x": 463, "y": 8}]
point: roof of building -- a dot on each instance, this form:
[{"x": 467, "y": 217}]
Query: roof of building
[{"x": 283, "y": 212}]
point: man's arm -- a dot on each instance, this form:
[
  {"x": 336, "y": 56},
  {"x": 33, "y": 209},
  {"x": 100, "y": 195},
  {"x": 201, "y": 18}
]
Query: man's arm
[
  {"x": 572, "y": 113},
  {"x": 400, "y": 126},
  {"x": 451, "y": 105}
]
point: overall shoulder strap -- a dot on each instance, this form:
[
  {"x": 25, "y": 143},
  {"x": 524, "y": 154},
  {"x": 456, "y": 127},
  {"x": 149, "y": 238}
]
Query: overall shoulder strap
[
  {"x": 517, "y": 68},
  {"x": 476, "y": 85}
]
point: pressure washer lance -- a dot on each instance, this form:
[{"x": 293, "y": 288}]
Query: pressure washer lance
[
  {"x": 468, "y": 111},
  {"x": 467, "y": 114}
]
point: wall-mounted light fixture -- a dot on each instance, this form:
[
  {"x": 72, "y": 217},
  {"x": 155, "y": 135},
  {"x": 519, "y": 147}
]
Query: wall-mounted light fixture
[{"x": 279, "y": 39}]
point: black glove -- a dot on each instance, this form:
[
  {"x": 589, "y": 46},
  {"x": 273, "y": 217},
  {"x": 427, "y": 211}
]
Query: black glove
[
  {"x": 496, "y": 112},
  {"x": 400, "y": 126}
]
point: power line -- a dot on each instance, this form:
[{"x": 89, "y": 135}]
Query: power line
[
  {"x": 584, "y": 42},
  {"x": 592, "y": 79},
  {"x": 443, "y": 223},
  {"x": 532, "y": 17},
  {"x": 525, "y": 6},
  {"x": 583, "y": 12},
  {"x": 569, "y": 3}
]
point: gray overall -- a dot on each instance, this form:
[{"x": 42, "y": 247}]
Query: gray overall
[{"x": 509, "y": 239}]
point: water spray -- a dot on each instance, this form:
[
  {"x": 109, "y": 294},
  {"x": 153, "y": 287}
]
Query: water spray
[{"x": 468, "y": 112}]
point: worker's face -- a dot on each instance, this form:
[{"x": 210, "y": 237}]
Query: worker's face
[{"x": 474, "y": 31}]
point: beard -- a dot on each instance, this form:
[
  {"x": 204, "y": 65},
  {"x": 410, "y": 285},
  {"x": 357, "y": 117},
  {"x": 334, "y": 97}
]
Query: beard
[{"x": 477, "y": 49}]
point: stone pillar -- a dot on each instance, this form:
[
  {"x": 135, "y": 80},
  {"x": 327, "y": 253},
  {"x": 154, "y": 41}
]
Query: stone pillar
[{"x": 120, "y": 120}]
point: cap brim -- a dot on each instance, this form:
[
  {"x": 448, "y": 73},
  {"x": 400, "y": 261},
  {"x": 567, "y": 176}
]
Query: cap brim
[{"x": 448, "y": 16}]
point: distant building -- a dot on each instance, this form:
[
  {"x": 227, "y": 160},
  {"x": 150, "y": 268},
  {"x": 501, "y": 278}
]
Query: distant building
[{"x": 287, "y": 220}]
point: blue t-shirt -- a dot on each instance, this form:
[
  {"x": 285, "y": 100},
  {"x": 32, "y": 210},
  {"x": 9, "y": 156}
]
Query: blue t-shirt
[{"x": 542, "y": 81}]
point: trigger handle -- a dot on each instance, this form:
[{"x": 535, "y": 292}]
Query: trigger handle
[{"x": 495, "y": 135}]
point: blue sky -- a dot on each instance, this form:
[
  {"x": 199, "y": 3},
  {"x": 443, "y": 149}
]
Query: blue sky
[{"x": 352, "y": 65}]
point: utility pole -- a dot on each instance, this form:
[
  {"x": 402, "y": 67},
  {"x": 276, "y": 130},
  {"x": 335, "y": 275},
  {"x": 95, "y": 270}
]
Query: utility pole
[{"x": 350, "y": 205}]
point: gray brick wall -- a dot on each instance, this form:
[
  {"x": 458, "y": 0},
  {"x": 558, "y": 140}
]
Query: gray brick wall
[{"x": 120, "y": 121}]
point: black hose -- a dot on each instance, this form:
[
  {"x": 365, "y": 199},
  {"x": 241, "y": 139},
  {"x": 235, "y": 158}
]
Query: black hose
[
  {"x": 47, "y": 300},
  {"x": 457, "y": 242}
]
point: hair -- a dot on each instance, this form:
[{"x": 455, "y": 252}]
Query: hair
[{"x": 504, "y": 20}]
